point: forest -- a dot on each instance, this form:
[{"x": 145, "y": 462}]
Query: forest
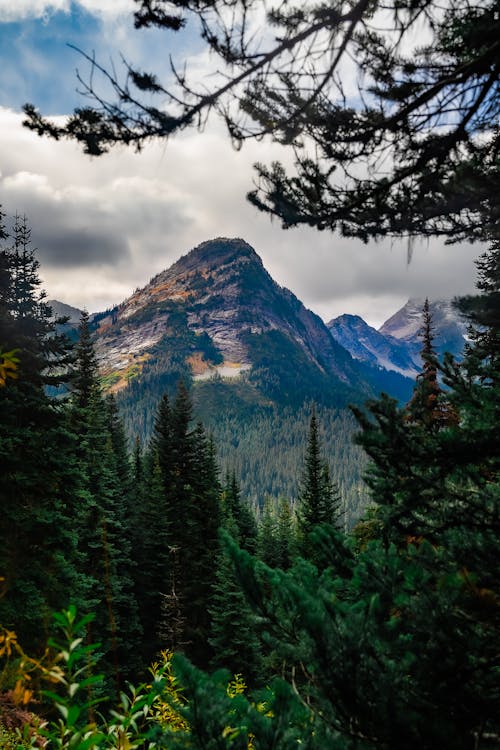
[
  {"x": 277, "y": 631},
  {"x": 142, "y": 603}
]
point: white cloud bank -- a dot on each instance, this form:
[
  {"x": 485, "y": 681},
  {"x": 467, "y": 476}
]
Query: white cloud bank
[{"x": 105, "y": 226}]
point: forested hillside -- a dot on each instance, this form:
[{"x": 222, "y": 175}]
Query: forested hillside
[
  {"x": 144, "y": 603},
  {"x": 321, "y": 632}
]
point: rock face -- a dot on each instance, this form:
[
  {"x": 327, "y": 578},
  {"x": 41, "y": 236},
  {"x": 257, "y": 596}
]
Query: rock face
[
  {"x": 396, "y": 345},
  {"x": 369, "y": 345},
  {"x": 450, "y": 328},
  {"x": 220, "y": 309}
]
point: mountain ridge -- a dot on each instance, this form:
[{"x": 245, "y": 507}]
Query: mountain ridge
[
  {"x": 396, "y": 345},
  {"x": 225, "y": 306}
]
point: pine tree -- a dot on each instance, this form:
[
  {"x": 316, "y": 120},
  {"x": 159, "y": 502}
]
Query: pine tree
[
  {"x": 483, "y": 351},
  {"x": 429, "y": 406},
  {"x": 239, "y": 511},
  {"x": 190, "y": 498},
  {"x": 205, "y": 520},
  {"x": 285, "y": 535},
  {"x": 277, "y": 543},
  {"x": 38, "y": 542},
  {"x": 233, "y": 628},
  {"x": 154, "y": 559},
  {"x": 104, "y": 519},
  {"x": 233, "y": 636},
  {"x": 267, "y": 548},
  {"x": 319, "y": 498}
]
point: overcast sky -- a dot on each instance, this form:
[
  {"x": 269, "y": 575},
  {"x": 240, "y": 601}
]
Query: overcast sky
[{"x": 104, "y": 226}]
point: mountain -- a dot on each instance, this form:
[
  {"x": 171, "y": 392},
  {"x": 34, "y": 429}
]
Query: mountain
[
  {"x": 61, "y": 310},
  {"x": 450, "y": 328},
  {"x": 369, "y": 345},
  {"x": 217, "y": 312},
  {"x": 396, "y": 346}
]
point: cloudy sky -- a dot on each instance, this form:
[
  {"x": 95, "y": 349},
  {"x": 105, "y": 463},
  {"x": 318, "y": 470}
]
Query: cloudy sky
[{"x": 104, "y": 226}]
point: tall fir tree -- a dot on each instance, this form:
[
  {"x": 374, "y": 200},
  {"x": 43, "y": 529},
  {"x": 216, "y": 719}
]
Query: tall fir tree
[
  {"x": 38, "y": 542},
  {"x": 267, "y": 548},
  {"x": 104, "y": 519},
  {"x": 429, "y": 406},
  {"x": 240, "y": 512},
  {"x": 319, "y": 499},
  {"x": 233, "y": 634},
  {"x": 190, "y": 499}
]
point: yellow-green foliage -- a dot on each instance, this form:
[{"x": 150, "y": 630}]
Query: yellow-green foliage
[
  {"x": 8, "y": 365},
  {"x": 13, "y": 739},
  {"x": 159, "y": 704},
  {"x": 165, "y": 709}
]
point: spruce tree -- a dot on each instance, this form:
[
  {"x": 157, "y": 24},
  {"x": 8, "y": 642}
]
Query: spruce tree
[
  {"x": 190, "y": 498},
  {"x": 233, "y": 634},
  {"x": 104, "y": 519},
  {"x": 154, "y": 559},
  {"x": 267, "y": 548},
  {"x": 429, "y": 406},
  {"x": 240, "y": 512},
  {"x": 38, "y": 541},
  {"x": 319, "y": 498},
  {"x": 285, "y": 535}
]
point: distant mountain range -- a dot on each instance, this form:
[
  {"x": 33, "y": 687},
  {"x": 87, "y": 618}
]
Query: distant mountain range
[
  {"x": 256, "y": 358},
  {"x": 217, "y": 315},
  {"x": 396, "y": 345}
]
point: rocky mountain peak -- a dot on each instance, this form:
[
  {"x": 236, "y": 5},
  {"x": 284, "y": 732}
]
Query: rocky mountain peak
[
  {"x": 215, "y": 254},
  {"x": 218, "y": 310}
]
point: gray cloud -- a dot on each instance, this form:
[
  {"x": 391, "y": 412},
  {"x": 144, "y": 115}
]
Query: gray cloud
[
  {"x": 72, "y": 248},
  {"x": 106, "y": 226}
]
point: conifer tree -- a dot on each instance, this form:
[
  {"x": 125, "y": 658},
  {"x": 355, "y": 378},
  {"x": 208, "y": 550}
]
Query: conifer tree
[
  {"x": 190, "y": 498},
  {"x": 233, "y": 628},
  {"x": 152, "y": 554},
  {"x": 319, "y": 498},
  {"x": 237, "y": 509},
  {"x": 277, "y": 538},
  {"x": 267, "y": 548},
  {"x": 233, "y": 636},
  {"x": 104, "y": 519},
  {"x": 429, "y": 406},
  {"x": 38, "y": 543},
  {"x": 285, "y": 535}
]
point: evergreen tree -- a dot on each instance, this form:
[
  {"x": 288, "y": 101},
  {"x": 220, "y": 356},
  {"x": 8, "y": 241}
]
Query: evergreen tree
[
  {"x": 285, "y": 535},
  {"x": 319, "y": 498},
  {"x": 414, "y": 153},
  {"x": 104, "y": 519},
  {"x": 190, "y": 501},
  {"x": 267, "y": 548},
  {"x": 204, "y": 521},
  {"x": 429, "y": 406},
  {"x": 38, "y": 542},
  {"x": 239, "y": 511},
  {"x": 154, "y": 558},
  {"x": 483, "y": 311},
  {"x": 233, "y": 634},
  {"x": 277, "y": 538}
]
